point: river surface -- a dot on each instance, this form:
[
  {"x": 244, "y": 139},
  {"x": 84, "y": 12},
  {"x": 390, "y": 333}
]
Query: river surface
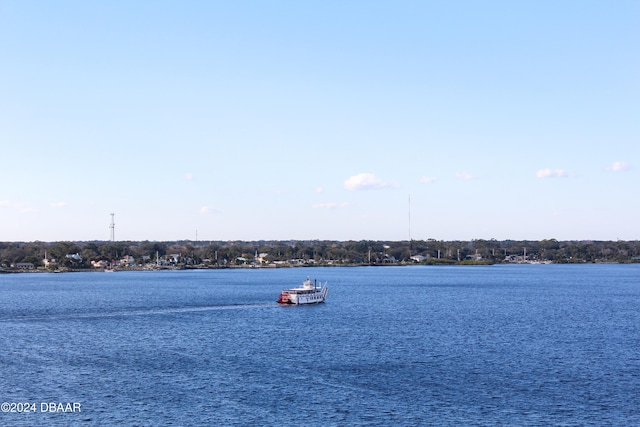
[{"x": 527, "y": 345}]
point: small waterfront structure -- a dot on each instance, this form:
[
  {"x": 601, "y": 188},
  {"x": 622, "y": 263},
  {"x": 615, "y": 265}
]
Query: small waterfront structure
[{"x": 23, "y": 266}]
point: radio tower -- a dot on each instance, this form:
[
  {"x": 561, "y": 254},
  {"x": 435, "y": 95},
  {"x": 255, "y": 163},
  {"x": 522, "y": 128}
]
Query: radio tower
[
  {"x": 410, "y": 246},
  {"x": 113, "y": 229},
  {"x": 409, "y": 218}
]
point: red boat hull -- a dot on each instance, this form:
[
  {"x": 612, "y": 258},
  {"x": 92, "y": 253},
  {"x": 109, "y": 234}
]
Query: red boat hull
[{"x": 284, "y": 299}]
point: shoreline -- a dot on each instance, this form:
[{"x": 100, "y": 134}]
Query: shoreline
[{"x": 272, "y": 266}]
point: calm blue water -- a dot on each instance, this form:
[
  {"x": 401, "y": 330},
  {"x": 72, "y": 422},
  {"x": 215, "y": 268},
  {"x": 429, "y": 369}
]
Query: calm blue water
[{"x": 499, "y": 345}]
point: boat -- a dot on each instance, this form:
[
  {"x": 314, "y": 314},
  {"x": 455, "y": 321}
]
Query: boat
[{"x": 309, "y": 293}]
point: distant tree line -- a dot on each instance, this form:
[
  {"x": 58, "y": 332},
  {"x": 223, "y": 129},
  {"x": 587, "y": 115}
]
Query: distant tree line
[{"x": 319, "y": 252}]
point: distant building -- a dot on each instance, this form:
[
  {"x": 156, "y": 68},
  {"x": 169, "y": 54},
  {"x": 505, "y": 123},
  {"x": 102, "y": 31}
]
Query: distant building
[
  {"x": 418, "y": 258},
  {"x": 389, "y": 259},
  {"x": 128, "y": 260},
  {"x": 260, "y": 258},
  {"x": 75, "y": 256},
  {"x": 24, "y": 266},
  {"x": 100, "y": 264}
]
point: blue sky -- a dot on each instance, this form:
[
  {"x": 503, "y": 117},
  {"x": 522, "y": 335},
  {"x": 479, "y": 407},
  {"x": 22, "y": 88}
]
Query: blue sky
[{"x": 251, "y": 120}]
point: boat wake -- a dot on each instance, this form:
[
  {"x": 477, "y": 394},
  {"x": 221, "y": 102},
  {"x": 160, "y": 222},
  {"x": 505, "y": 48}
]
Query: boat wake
[{"x": 133, "y": 313}]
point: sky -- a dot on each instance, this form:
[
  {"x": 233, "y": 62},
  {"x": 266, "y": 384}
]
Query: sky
[{"x": 329, "y": 120}]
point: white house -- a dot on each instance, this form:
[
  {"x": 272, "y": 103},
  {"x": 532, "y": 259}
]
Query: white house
[{"x": 75, "y": 256}]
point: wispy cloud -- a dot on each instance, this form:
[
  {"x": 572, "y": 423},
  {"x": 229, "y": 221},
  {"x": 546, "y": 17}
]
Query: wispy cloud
[
  {"x": 207, "y": 210},
  {"x": 330, "y": 205},
  {"x": 465, "y": 176},
  {"x": 427, "y": 180},
  {"x": 21, "y": 207},
  {"x": 58, "y": 204},
  {"x": 618, "y": 167},
  {"x": 364, "y": 181},
  {"x": 319, "y": 189},
  {"x": 552, "y": 173},
  {"x": 188, "y": 176}
]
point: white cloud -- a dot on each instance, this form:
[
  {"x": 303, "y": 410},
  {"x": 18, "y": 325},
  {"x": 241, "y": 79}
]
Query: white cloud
[
  {"x": 58, "y": 204},
  {"x": 188, "y": 176},
  {"x": 465, "y": 176},
  {"x": 364, "y": 181},
  {"x": 206, "y": 210},
  {"x": 427, "y": 180},
  {"x": 552, "y": 173},
  {"x": 618, "y": 167},
  {"x": 28, "y": 210},
  {"x": 319, "y": 189},
  {"x": 330, "y": 205},
  {"x": 5, "y": 203}
]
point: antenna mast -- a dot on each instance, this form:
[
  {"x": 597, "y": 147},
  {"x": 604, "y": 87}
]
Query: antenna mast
[
  {"x": 410, "y": 226},
  {"x": 409, "y": 217},
  {"x": 113, "y": 228}
]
